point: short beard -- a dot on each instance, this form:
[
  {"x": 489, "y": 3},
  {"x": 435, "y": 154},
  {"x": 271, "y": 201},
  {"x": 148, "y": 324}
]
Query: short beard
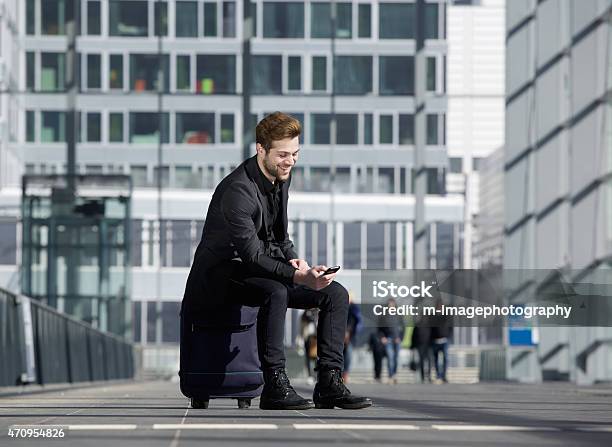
[{"x": 272, "y": 169}]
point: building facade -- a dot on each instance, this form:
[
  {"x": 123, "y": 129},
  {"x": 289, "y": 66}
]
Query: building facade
[
  {"x": 557, "y": 167},
  {"x": 160, "y": 98}
]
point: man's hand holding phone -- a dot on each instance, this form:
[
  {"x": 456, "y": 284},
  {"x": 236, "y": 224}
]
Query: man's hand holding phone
[{"x": 317, "y": 277}]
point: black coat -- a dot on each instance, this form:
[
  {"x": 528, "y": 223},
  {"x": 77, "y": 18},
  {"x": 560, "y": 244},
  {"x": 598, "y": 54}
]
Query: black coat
[{"x": 234, "y": 239}]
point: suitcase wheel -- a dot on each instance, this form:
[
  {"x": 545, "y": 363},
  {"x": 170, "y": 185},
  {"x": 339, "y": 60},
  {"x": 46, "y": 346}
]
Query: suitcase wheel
[
  {"x": 244, "y": 403},
  {"x": 199, "y": 403}
]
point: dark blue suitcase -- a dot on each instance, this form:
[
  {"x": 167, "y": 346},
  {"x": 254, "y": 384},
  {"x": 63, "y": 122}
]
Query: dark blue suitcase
[{"x": 218, "y": 356}]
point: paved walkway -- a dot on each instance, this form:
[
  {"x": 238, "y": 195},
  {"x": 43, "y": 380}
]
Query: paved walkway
[{"x": 156, "y": 414}]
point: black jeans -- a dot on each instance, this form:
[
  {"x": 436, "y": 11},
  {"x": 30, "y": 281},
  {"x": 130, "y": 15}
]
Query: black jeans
[{"x": 273, "y": 297}]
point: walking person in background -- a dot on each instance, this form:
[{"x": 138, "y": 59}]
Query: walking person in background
[
  {"x": 391, "y": 332},
  {"x": 353, "y": 327},
  {"x": 378, "y": 352},
  {"x": 441, "y": 332},
  {"x": 421, "y": 341}
]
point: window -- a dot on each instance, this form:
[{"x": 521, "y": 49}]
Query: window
[
  {"x": 431, "y": 74},
  {"x": 186, "y": 19},
  {"x": 30, "y": 126},
  {"x": 144, "y": 72},
  {"x": 353, "y": 75},
  {"x": 139, "y": 175},
  {"x": 295, "y": 73},
  {"x": 455, "y": 165},
  {"x": 254, "y": 16},
  {"x": 165, "y": 183},
  {"x": 184, "y": 177},
  {"x": 267, "y": 75},
  {"x": 128, "y": 18},
  {"x": 376, "y": 245},
  {"x": 352, "y": 245},
  {"x": 367, "y": 129},
  {"x": 431, "y": 21},
  {"x": 342, "y": 180},
  {"x": 115, "y": 131},
  {"x": 396, "y": 21},
  {"x": 195, "y": 128},
  {"x": 229, "y": 19},
  {"x": 94, "y": 27},
  {"x": 346, "y": 128},
  {"x": 30, "y": 70},
  {"x": 386, "y": 129},
  {"x": 476, "y": 162},
  {"x": 161, "y": 18},
  {"x": 445, "y": 233},
  {"x": 94, "y": 127},
  {"x": 320, "y": 20},
  {"x": 435, "y": 181},
  {"x": 216, "y": 74},
  {"x": 319, "y": 73},
  {"x": 30, "y": 17},
  {"x": 319, "y": 179},
  {"x": 283, "y": 20},
  {"x": 319, "y": 125},
  {"x": 145, "y": 127},
  {"x": 183, "y": 73},
  {"x": 53, "y": 129},
  {"x": 181, "y": 252},
  {"x": 227, "y": 128},
  {"x": 52, "y": 72},
  {"x": 210, "y": 19},
  {"x": 170, "y": 309},
  {"x": 365, "y": 20},
  {"x": 94, "y": 68},
  {"x": 53, "y": 14},
  {"x": 385, "y": 180},
  {"x": 432, "y": 129},
  {"x": 136, "y": 255},
  {"x": 115, "y": 77},
  {"x": 406, "y": 129},
  {"x": 396, "y": 75}
]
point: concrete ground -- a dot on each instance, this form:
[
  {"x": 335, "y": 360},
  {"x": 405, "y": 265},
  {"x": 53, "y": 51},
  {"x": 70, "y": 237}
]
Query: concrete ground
[{"x": 156, "y": 414}]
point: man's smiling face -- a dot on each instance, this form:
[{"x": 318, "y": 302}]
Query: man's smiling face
[{"x": 276, "y": 164}]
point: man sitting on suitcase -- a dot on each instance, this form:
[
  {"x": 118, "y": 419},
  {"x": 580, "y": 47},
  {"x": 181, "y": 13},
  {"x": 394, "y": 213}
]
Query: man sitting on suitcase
[{"x": 247, "y": 220}]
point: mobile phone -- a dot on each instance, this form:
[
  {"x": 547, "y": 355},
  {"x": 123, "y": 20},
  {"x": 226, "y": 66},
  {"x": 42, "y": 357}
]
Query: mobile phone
[{"x": 331, "y": 270}]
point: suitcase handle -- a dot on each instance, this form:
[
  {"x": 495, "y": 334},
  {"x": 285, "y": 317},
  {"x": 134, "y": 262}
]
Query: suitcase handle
[{"x": 225, "y": 328}]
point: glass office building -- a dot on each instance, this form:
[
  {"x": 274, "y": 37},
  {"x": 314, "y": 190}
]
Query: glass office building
[{"x": 165, "y": 77}]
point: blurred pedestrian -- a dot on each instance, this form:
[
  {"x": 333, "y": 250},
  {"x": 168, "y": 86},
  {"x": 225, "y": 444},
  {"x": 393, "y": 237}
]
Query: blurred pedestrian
[
  {"x": 391, "y": 332},
  {"x": 441, "y": 332},
  {"x": 378, "y": 352},
  {"x": 421, "y": 341},
  {"x": 353, "y": 327}
]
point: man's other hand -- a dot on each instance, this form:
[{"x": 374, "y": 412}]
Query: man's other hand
[
  {"x": 299, "y": 264},
  {"x": 313, "y": 277}
]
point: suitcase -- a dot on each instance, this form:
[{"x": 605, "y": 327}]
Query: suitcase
[{"x": 218, "y": 356}]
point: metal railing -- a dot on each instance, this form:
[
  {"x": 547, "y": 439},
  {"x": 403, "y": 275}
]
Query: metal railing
[{"x": 41, "y": 345}]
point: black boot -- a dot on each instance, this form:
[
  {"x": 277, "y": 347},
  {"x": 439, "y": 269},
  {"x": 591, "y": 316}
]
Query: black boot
[
  {"x": 278, "y": 394},
  {"x": 330, "y": 392}
]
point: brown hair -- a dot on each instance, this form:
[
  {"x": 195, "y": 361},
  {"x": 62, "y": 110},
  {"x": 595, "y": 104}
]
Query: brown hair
[{"x": 276, "y": 126}]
